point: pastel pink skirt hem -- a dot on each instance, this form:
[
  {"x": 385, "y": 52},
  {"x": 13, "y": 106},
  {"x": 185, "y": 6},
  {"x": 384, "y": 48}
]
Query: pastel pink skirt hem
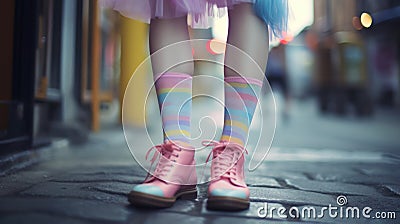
[
  {"x": 145, "y": 10},
  {"x": 273, "y": 12}
]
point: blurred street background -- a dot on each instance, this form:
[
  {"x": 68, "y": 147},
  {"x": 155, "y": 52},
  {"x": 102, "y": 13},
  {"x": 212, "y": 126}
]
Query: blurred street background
[{"x": 66, "y": 66}]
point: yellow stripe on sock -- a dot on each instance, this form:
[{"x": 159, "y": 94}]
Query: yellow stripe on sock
[
  {"x": 177, "y": 132},
  {"x": 174, "y": 90},
  {"x": 237, "y": 124},
  {"x": 239, "y": 85}
]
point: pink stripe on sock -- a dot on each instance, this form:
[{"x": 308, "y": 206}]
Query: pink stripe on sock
[
  {"x": 243, "y": 96},
  {"x": 173, "y": 74},
  {"x": 244, "y": 80},
  {"x": 172, "y": 83}
]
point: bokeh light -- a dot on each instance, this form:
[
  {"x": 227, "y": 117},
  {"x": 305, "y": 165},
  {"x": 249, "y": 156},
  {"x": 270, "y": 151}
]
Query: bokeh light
[
  {"x": 366, "y": 20},
  {"x": 215, "y": 46},
  {"x": 357, "y": 23}
]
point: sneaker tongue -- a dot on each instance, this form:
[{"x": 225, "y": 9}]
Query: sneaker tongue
[
  {"x": 167, "y": 151},
  {"x": 218, "y": 152},
  {"x": 166, "y": 155}
]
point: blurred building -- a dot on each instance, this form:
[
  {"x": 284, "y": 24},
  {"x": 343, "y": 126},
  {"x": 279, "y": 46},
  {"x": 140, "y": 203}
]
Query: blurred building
[
  {"x": 383, "y": 46},
  {"x": 51, "y": 59},
  {"x": 356, "y": 48}
]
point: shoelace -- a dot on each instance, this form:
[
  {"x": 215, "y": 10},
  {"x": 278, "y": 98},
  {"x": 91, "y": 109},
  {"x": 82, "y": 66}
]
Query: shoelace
[
  {"x": 225, "y": 155},
  {"x": 166, "y": 150}
]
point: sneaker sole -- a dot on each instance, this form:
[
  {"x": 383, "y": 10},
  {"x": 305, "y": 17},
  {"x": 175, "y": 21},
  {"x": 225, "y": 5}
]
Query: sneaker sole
[
  {"x": 227, "y": 203},
  {"x": 152, "y": 201}
]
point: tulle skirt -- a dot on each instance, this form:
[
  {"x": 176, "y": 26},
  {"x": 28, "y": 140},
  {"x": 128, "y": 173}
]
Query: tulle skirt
[{"x": 273, "y": 12}]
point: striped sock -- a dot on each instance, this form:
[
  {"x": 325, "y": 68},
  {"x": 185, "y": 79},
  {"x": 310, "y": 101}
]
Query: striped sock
[
  {"x": 240, "y": 104},
  {"x": 174, "y": 91}
]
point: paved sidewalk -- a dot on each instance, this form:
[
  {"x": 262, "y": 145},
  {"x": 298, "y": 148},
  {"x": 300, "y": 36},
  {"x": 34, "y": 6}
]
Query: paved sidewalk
[{"x": 89, "y": 183}]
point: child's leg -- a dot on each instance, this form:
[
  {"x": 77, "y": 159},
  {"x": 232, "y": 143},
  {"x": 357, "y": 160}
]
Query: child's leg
[
  {"x": 164, "y": 32},
  {"x": 228, "y": 190},
  {"x": 173, "y": 84},
  {"x": 174, "y": 174},
  {"x": 250, "y": 34}
]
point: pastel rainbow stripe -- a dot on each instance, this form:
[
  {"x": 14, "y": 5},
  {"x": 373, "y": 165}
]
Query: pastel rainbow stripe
[
  {"x": 240, "y": 103},
  {"x": 174, "y": 92}
]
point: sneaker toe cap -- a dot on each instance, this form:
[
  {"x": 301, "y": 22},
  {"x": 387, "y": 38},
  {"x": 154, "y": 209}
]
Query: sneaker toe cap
[
  {"x": 148, "y": 189},
  {"x": 229, "y": 193}
]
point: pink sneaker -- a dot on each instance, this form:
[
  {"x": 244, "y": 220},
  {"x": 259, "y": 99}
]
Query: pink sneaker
[
  {"x": 227, "y": 189},
  {"x": 174, "y": 177}
]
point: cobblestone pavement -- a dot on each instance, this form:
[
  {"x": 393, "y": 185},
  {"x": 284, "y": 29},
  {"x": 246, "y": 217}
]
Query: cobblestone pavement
[{"x": 89, "y": 183}]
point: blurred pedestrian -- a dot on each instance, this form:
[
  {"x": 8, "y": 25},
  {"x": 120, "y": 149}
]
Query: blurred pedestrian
[
  {"x": 175, "y": 174},
  {"x": 277, "y": 75}
]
